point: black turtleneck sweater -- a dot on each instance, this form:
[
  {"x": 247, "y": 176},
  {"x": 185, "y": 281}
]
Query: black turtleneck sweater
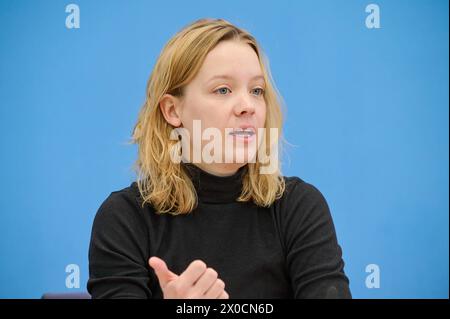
[{"x": 288, "y": 250}]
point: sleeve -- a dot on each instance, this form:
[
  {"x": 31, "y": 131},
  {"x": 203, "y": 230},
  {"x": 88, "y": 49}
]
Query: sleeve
[
  {"x": 313, "y": 255},
  {"x": 118, "y": 251}
]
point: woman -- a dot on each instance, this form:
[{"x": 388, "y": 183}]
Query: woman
[{"x": 220, "y": 224}]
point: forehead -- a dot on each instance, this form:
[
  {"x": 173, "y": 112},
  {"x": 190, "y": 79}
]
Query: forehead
[{"x": 233, "y": 58}]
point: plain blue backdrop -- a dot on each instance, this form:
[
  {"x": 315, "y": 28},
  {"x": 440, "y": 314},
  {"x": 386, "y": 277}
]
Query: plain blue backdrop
[{"x": 367, "y": 112}]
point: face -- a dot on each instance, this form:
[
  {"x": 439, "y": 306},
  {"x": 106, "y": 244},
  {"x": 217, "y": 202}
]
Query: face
[{"x": 227, "y": 94}]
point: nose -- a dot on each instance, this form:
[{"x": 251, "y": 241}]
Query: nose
[{"x": 245, "y": 105}]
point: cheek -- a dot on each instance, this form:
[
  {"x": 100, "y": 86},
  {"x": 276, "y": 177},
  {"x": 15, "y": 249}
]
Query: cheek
[
  {"x": 261, "y": 115},
  {"x": 210, "y": 113},
  {"x": 193, "y": 109}
]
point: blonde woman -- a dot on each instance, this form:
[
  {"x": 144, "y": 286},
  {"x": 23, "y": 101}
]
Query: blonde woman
[{"x": 198, "y": 222}]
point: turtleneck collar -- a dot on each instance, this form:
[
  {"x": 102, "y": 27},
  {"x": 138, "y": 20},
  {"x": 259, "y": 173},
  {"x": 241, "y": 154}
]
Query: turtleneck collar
[{"x": 215, "y": 189}]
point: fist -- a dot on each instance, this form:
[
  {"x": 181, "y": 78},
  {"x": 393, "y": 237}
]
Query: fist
[{"x": 197, "y": 282}]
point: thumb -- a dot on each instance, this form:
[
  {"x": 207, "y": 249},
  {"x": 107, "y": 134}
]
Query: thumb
[{"x": 162, "y": 272}]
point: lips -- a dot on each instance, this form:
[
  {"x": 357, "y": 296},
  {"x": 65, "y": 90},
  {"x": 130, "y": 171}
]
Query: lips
[{"x": 247, "y": 131}]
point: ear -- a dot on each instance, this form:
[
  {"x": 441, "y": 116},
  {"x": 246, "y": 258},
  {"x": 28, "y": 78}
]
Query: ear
[{"x": 170, "y": 106}]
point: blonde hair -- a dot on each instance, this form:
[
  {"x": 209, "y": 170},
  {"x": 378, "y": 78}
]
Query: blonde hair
[{"x": 165, "y": 184}]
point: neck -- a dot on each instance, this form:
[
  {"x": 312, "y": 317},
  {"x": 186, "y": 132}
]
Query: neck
[
  {"x": 212, "y": 188},
  {"x": 217, "y": 169},
  {"x": 221, "y": 170}
]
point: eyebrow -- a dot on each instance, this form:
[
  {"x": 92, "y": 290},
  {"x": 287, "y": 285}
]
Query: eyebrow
[{"x": 229, "y": 77}]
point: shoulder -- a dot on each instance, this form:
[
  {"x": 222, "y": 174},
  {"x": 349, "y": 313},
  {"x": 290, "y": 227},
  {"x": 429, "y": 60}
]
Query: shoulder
[
  {"x": 301, "y": 201},
  {"x": 299, "y": 190},
  {"x": 127, "y": 197},
  {"x": 303, "y": 212},
  {"x": 122, "y": 205}
]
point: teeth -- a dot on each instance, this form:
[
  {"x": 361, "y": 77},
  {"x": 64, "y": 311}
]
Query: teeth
[{"x": 246, "y": 132}]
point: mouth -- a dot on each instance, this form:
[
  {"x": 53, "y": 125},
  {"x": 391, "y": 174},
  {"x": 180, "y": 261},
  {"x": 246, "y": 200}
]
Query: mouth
[{"x": 239, "y": 132}]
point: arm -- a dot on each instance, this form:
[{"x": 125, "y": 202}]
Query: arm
[
  {"x": 118, "y": 251},
  {"x": 313, "y": 255}
]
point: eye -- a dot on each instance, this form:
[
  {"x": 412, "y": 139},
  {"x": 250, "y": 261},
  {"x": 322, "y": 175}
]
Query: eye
[
  {"x": 259, "y": 91},
  {"x": 222, "y": 90}
]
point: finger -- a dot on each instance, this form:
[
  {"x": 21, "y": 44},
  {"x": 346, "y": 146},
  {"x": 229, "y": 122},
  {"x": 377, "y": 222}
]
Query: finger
[
  {"x": 162, "y": 272},
  {"x": 192, "y": 273},
  {"x": 205, "y": 282},
  {"x": 216, "y": 290},
  {"x": 224, "y": 295}
]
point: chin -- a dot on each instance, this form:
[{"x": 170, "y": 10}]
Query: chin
[{"x": 240, "y": 157}]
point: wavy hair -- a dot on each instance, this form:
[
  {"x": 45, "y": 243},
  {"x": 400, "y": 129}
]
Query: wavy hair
[{"x": 164, "y": 184}]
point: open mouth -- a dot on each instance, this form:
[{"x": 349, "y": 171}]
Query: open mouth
[{"x": 248, "y": 132}]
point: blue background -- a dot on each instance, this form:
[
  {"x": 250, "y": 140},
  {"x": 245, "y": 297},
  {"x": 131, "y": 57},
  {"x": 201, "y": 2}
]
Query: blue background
[{"x": 367, "y": 112}]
